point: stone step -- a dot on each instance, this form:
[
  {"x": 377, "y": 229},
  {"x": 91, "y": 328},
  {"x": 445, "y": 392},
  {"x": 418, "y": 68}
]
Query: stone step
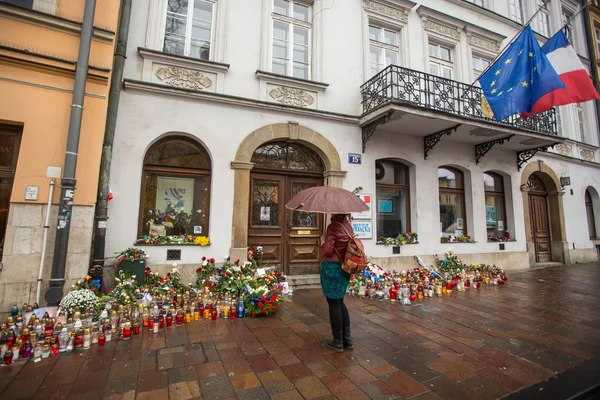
[{"x": 304, "y": 281}]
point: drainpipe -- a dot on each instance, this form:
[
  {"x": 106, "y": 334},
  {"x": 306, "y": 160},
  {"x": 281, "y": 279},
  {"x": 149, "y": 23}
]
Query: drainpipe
[
  {"x": 101, "y": 211},
  {"x": 591, "y": 51},
  {"x": 68, "y": 181}
]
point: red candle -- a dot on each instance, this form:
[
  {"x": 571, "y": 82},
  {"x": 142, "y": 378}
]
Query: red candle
[
  {"x": 49, "y": 329},
  {"x": 169, "y": 319},
  {"x": 54, "y": 350},
  {"x": 214, "y": 314},
  {"x": 179, "y": 319},
  {"x": 102, "y": 339},
  {"x": 8, "y": 357},
  {"x": 136, "y": 329},
  {"x": 151, "y": 324},
  {"x": 79, "y": 339},
  {"x": 232, "y": 313},
  {"x": 161, "y": 322},
  {"x": 127, "y": 332}
]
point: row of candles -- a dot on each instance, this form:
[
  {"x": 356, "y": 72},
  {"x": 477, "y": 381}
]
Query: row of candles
[{"x": 24, "y": 335}]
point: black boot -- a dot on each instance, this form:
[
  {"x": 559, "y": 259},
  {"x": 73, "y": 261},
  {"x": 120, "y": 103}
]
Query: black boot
[
  {"x": 347, "y": 338},
  {"x": 337, "y": 343}
]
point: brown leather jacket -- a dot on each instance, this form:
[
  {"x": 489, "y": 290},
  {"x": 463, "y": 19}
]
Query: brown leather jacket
[{"x": 336, "y": 239}]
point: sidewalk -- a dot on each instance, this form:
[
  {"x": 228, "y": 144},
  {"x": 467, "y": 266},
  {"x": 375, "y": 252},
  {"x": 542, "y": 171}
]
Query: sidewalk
[{"x": 475, "y": 344}]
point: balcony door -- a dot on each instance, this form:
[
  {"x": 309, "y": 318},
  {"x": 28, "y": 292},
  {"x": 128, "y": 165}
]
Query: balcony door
[{"x": 288, "y": 238}]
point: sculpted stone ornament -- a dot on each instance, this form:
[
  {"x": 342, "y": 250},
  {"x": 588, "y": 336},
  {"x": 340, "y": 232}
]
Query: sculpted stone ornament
[
  {"x": 564, "y": 149},
  {"x": 587, "y": 155},
  {"x": 484, "y": 43},
  {"x": 183, "y": 78},
  {"x": 379, "y": 8},
  {"x": 291, "y": 96},
  {"x": 442, "y": 29}
]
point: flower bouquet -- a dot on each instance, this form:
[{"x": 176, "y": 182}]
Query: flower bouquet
[{"x": 79, "y": 299}]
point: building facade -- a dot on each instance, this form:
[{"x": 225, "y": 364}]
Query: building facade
[
  {"x": 39, "y": 43},
  {"x": 230, "y": 108}
]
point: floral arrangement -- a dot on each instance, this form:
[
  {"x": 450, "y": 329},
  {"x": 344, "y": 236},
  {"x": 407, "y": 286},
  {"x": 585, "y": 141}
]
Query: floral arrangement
[
  {"x": 457, "y": 239},
  {"x": 357, "y": 189},
  {"x": 127, "y": 288},
  {"x": 174, "y": 239},
  {"x": 80, "y": 299},
  {"x": 87, "y": 283},
  {"x": 174, "y": 220},
  {"x": 131, "y": 254},
  {"x": 263, "y": 305},
  {"x": 206, "y": 274},
  {"x": 402, "y": 238}
]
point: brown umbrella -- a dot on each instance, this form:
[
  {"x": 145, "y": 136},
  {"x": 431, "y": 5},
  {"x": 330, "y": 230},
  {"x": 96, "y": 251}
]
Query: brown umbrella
[{"x": 327, "y": 199}]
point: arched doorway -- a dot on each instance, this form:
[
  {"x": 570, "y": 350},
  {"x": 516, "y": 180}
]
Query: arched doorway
[
  {"x": 242, "y": 165},
  {"x": 544, "y": 215},
  {"x": 288, "y": 238}
]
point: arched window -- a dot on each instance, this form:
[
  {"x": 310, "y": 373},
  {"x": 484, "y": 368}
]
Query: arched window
[
  {"x": 452, "y": 201},
  {"x": 175, "y": 188},
  {"x": 589, "y": 210},
  {"x": 287, "y": 155},
  {"x": 393, "y": 198},
  {"x": 495, "y": 210}
]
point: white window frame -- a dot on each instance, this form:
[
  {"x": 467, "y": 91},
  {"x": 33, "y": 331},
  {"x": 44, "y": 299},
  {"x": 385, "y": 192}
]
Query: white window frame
[
  {"x": 477, "y": 73},
  {"x": 440, "y": 62},
  {"x": 543, "y": 19},
  {"x": 515, "y": 11},
  {"x": 189, "y": 26},
  {"x": 291, "y": 23},
  {"x": 382, "y": 46},
  {"x": 559, "y": 125},
  {"x": 571, "y": 31},
  {"x": 597, "y": 37},
  {"x": 580, "y": 121},
  {"x": 476, "y": 2}
]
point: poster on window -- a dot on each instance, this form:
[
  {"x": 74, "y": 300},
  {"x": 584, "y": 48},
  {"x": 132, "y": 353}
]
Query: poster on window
[
  {"x": 365, "y": 214},
  {"x": 459, "y": 223},
  {"x": 363, "y": 229},
  {"x": 175, "y": 192}
]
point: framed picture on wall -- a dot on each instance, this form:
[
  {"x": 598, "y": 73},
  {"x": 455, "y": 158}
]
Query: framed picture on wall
[{"x": 385, "y": 206}]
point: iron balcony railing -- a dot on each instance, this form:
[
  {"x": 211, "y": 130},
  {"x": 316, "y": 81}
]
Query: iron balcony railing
[{"x": 402, "y": 85}]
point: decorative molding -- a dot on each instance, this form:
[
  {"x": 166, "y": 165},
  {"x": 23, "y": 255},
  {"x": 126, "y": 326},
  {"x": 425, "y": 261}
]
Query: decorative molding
[
  {"x": 483, "y": 43},
  {"x": 291, "y": 96},
  {"x": 482, "y": 149},
  {"x": 441, "y": 29},
  {"x": 430, "y": 141},
  {"x": 394, "y": 13},
  {"x": 283, "y": 80},
  {"x": 587, "y": 155},
  {"x": 182, "y": 61},
  {"x": 183, "y": 78},
  {"x": 52, "y": 22},
  {"x": 564, "y": 149},
  {"x": 137, "y": 86},
  {"x": 369, "y": 129}
]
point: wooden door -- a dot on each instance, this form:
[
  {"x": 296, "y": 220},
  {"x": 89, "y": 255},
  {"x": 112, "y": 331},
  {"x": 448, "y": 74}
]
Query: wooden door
[
  {"x": 538, "y": 209},
  {"x": 266, "y": 225},
  {"x": 304, "y": 229},
  {"x": 288, "y": 238}
]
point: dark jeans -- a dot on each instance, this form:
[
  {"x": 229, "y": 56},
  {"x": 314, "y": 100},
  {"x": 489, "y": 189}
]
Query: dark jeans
[{"x": 338, "y": 314}]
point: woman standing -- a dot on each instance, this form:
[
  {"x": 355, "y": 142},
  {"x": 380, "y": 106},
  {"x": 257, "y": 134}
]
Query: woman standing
[{"x": 335, "y": 281}]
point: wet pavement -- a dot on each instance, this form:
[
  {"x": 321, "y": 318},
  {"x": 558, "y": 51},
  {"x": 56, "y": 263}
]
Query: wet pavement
[{"x": 476, "y": 344}]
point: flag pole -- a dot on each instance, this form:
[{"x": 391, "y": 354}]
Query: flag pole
[
  {"x": 577, "y": 13},
  {"x": 513, "y": 39}
]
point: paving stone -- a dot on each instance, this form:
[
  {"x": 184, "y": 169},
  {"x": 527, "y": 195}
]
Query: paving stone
[
  {"x": 121, "y": 385},
  {"x": 61, "y": 376},
  {"x": 159, "y": 394},
  {"x": 245, "y": 381},
  {"x": 450, "y": 390},
  {"x": 287, "y": 358},
  {"x": 450, "y": 369},
  {"x": 184, "y": 390},
  {"x": 296, "y": 371},
  {"x": 484, "y": 388},
  {"x": 23, "y": 388},
  {"x": 262, "y": 362},
  {"x": 254, "y": 394},
  {"x": 209, "y": 369},
  {"x": 404, "y": 385},
  {"x": 338, "y": 383},
  {"x": 311, "y": 387},
  {"x": 275, "y": 381},
  {"x": 322, "y": 368},
  {"x": 130, "y": 395},
  {"x": 358, "y": 375},
  {"x": 237, "y": 367},
  {"x": 84, "y": 384},
  {"x": 54, "y": 393},
  {"x": 216, "y": 387},
  {"x": 378, "y": 390},
  {"x": 183, "y": 374},
  {"x": 151, "y": 380},
  {"x": 289, "y": 395}
]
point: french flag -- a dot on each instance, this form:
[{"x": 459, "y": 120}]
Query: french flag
[{"x": 566, "y": 63}]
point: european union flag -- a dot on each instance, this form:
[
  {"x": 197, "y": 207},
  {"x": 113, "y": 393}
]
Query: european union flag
[{"x": 519, "y": 77}]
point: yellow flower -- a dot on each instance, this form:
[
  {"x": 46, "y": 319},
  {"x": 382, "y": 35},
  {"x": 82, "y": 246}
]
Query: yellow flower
[
  {"x": 87, "y": 278},
  {"x": 201, "y": 240}
]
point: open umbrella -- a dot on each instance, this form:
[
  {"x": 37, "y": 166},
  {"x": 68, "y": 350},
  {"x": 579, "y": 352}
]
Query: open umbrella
[{"x": 327, "y": 199}]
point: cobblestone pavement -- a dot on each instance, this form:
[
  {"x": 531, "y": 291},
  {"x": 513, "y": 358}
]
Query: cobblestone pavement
[{"x": 476, "y": 344}]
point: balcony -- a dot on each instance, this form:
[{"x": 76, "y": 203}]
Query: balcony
[{"x": 431, "y": 107}]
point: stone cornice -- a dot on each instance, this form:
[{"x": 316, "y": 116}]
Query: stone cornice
[
  {"x": 241, "y": 165},
  {"x": 482, "y": 38},
  {"x": 441, "y": 24},
  {"x": 154, "y": 88},
  {"x": 53, "y": 22},
  {"x": 291, "y": 81},
  {"x": 182, "y": 61},
  {"x": 396, "y": 11}
]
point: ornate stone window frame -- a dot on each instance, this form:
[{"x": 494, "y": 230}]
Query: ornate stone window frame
[
  {"x": 388, "y": 15},
  {"x": 182, "y": 72},
  {"x": 441, "y": 29},
  {"x": 156, "y": 27},
  {"x": 482, "y": 43}
]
